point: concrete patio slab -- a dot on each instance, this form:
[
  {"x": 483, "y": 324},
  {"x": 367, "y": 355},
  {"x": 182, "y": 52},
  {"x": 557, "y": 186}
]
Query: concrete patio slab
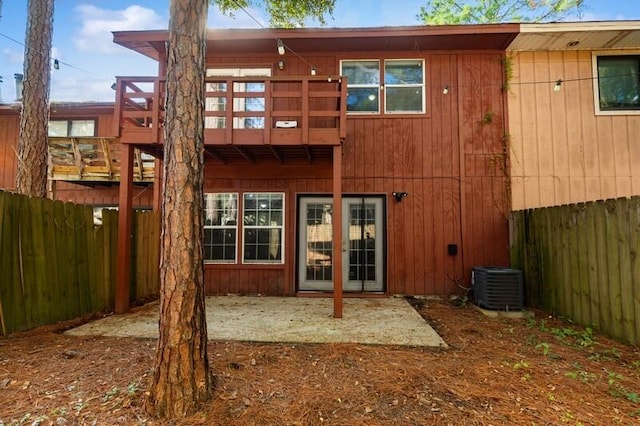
[{"x": 383, "y": 321}]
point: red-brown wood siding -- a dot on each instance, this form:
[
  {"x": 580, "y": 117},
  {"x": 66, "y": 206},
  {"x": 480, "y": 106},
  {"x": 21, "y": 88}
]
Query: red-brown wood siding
[
  {"x": 9, "y": 131},
  {"x": 449, "y": 160}
]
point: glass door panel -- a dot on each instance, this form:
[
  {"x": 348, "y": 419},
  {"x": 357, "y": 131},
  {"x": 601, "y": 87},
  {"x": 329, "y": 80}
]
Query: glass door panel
[{"x": 362, "y": 247}]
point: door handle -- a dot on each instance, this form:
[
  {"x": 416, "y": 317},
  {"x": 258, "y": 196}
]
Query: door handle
[{"x": 344, "y": 246}]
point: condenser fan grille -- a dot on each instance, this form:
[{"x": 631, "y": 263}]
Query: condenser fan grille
[{"x": 498, "y": 288}]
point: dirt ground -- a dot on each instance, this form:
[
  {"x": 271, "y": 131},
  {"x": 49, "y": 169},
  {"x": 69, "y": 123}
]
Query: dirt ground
[{"x": 536, "y": 371}]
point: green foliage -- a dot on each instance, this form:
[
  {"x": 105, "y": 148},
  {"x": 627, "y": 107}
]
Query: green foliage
[
  {"x": 283, "y": 13},
  {"x": 546, "y": 348},
  {"x": 443, "y": 12},
  {"x": 583, "y": 338},
  {"x": 507, "y": 66},
  {"x": 581, "y": 375},
  {"x": 612, "y": 353},
  {"x": 617, "y": 390},
  {"x": 520, "y": 365}
]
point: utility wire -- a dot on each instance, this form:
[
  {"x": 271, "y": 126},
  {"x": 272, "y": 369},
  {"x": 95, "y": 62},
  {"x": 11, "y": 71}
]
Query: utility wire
[
  {"x": 55, "y": 60},
  {"x": 276, "y": 39}
]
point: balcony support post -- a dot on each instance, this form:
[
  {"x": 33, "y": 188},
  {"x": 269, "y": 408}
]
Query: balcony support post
[
  {"x": 337, "y": 231},
  {"x": 125, "y": 219}
]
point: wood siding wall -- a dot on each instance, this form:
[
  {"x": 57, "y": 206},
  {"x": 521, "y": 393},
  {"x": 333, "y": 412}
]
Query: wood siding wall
[
  {"x": 451, "y": 161},
  {"x": 98, "y": 195},
  {"x": 561, "y": 152}
]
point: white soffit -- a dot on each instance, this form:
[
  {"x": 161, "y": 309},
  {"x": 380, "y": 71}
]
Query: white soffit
[{"x": 578, "y": 36}]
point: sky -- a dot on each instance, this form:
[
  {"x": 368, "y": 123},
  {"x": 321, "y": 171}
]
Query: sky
[{"x": 89, "y": 60}]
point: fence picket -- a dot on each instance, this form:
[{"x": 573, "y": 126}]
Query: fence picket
[
  {"x": 634, "y": 243},
  {"x": 587, "y": 258},
  {"x": 57, "y": 265},
  {"x": 625, "y": 278}
]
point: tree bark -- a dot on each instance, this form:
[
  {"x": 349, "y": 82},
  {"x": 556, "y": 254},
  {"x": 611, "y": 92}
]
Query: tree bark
[
  {"x": 31, "y": 174},
  {"x": 182, "y": 379}
]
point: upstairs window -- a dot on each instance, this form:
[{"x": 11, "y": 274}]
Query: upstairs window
[
  {"x": 247, "y": 97},
  {"x": 363, "y": 87},
  {"x": 617, "y": 84},
  {"x": 403, "y": 90},
  {"x": 72, "y": 128},
  {"x": 404, "y": 86}
]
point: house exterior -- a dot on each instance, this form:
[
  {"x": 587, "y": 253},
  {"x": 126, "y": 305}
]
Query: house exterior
[
  {"x": 369, "y": 161},
  {"x": 574, "y": 112}
]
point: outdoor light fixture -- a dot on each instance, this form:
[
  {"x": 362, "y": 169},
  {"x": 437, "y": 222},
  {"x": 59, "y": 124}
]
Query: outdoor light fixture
[
  {"x": 280, "y": 47},
  {"x": 399, "y": 195},
  {"x": 280, "y": 64},
  {"x": 56, "y": 64},
  {"x": 445, "y": 90},
  {"x": 313, "y": 71},
  {"x": 558, "y": 85}
]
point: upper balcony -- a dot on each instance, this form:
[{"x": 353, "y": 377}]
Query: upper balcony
[{"x": 241, "y": 111}]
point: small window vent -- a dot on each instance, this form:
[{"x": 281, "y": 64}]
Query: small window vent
[{"x": 498, "y": 288}]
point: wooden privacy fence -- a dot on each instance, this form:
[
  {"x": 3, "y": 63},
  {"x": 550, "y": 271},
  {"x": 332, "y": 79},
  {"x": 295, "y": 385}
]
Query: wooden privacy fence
[
  {"x": 582, "y": 262},
  {"x": 55, "y": 264}
]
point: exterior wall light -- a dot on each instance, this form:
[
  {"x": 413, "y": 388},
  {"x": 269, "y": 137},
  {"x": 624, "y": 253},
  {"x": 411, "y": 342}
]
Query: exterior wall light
[
  {"x": 399, "y": 195},
  {"x": 558, "y": 85}
]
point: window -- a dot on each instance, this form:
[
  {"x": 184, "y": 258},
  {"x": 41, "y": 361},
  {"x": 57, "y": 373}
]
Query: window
[
  {"x": 72, "y": 128},
  {"x": 220, "y": 227},
  {"x": 250, "y": 98},
  {"x": 617, "y": 83},
  {"x": 403, "y": 88},
  {"x": 363, "y": 85},
  {"x": 262, "y": 227}
]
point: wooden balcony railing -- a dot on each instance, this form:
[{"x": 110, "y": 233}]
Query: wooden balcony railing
[{"x": 242, "y": 110}]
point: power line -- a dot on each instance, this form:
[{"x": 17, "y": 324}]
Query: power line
[
  {"x": 276, "y": 39},
  {"x": 55, "y": 60}
]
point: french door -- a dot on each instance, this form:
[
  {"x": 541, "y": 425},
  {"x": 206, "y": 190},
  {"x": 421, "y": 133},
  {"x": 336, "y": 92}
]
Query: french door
[{"x": 362, "y": 246}]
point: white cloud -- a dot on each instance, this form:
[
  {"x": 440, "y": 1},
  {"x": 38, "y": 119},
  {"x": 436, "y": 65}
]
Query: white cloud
[
  {"x": 97, "y": 24},
  {"x": 12, "y": 56},
  {"x": 81, "y": 90}
]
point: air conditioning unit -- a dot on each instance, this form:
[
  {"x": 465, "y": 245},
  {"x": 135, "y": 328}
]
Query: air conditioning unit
[{"x": 497, "y": 288}]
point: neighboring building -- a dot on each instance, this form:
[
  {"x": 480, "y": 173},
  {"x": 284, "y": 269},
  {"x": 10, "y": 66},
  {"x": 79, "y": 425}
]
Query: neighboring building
[
  {"x": 411, "y": 145},
  {"x": 85, "y": 154},
  {"x": 581, "y": 141}
]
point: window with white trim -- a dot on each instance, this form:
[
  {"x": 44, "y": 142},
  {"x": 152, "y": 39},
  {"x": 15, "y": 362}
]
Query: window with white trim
[
  {"x": 72, "y": 128},
  {"x": 403, "y": 91},
  {"x": 263, "y": 227},
  {"x": 617, "y": 83},
  {"x": 220, "y": 227},
  {"x": 249, "y": 98},
  {"x": 260, "y": 234}
]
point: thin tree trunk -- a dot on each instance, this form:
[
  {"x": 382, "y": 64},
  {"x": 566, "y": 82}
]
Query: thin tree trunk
[
  {"x": 31, "y": 175},
  {"x": 182, "y": 379}
]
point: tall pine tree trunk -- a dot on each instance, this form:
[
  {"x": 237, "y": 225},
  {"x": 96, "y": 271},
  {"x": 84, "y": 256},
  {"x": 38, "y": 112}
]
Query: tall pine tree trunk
[
  {"x": 182, "y": 379},
  {"x": 31, "y": 175}
]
